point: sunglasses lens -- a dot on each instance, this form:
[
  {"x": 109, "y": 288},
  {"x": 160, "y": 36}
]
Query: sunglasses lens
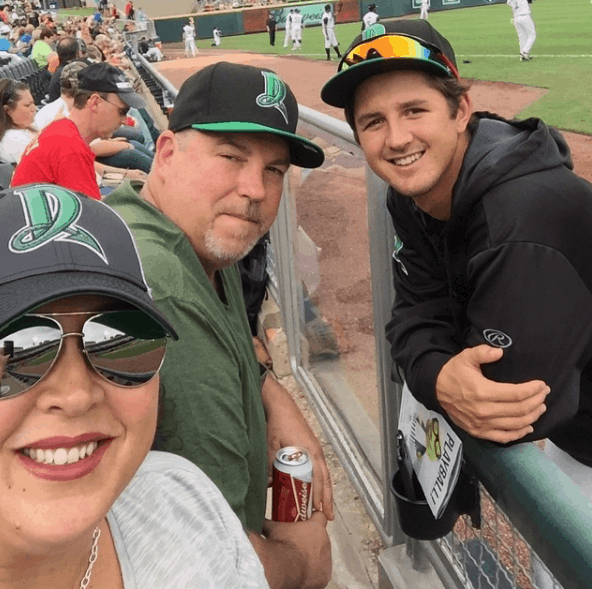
[
  {"x": 125, "y": 347},
  {"x": 28, "y": 348}
]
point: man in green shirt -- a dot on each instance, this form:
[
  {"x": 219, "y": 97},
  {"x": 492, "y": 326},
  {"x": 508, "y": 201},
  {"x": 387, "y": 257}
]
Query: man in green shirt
[{"x": 213, "y": 191}]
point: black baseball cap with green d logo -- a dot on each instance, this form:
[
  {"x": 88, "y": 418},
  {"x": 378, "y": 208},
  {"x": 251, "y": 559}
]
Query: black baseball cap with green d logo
[
  {"x": 234, "y": 98},
  {"x": 384, "y": 47},
  {"x": 57, "y": 243}
]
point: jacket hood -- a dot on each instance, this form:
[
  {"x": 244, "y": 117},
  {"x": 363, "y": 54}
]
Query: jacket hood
[{"x": 501, "y": 150}]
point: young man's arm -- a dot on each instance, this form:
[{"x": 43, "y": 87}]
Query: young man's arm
[
  {"x": 531, "y": 300},
  {"x": 427, "y": 336}
]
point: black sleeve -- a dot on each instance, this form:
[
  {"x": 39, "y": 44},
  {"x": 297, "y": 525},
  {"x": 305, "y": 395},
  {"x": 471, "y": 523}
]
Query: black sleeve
[
  {"x": 424, "y": 331},
  {"x": 529, "y": 298},
  {"x": 54, "y": 90}
]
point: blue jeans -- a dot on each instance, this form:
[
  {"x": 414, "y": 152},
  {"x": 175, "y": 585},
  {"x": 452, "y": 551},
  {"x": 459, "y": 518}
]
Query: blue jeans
[{"x": 138, "y": 158}]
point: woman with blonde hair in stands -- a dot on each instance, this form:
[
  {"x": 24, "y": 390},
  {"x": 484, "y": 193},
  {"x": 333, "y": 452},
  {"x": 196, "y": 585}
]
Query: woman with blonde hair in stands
[{"x": 17, "y": 113}]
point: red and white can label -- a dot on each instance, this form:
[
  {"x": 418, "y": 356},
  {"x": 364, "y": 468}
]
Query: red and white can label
[{"x": 292, "y": 498}]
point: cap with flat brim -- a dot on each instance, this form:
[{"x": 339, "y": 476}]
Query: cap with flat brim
[
  {"x": 427, "y": 51},
  {"x": 236, "y": 98}
]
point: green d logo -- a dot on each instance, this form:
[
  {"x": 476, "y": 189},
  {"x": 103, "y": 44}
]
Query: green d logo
[
  {"x": 373, "y": 31},
  {"x": 51, "y": 213},
  {"x": 274, "y": 94}
]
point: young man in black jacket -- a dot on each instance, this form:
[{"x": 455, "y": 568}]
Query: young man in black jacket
[{"x": 492, "y": 321}]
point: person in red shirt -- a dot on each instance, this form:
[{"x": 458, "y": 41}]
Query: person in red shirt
[{"x": 61, "y": 153}]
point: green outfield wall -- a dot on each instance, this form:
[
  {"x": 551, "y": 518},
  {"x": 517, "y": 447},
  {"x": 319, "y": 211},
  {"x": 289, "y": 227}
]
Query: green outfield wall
[{"x": 252, "y": 20}]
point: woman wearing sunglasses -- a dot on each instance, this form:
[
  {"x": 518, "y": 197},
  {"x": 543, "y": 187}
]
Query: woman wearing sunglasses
[{"x": 82, "y": 500}]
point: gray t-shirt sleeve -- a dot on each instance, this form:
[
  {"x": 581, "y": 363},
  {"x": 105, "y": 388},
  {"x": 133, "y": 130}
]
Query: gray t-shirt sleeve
[{"x": 173, "y": 529}]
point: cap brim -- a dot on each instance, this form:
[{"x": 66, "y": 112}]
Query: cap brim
[
  {"x": 25, "y": 294},
  {"x": 303, "y": 153},
  {"x": 132, "y": 99},
  {"x": 339, "y": 89}
]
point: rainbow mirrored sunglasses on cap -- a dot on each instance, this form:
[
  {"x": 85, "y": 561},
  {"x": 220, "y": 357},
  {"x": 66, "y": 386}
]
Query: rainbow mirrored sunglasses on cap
[
  {"x": 400, "y": 47},
  {"x": 126, "y": 348}
]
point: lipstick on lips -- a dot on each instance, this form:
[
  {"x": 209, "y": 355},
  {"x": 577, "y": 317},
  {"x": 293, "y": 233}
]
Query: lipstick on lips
[{"x": 64, "y": 458}]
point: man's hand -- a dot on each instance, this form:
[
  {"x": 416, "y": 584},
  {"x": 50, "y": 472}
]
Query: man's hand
[
  {"x": 295, "y": 555},
  {"x": 500, "y": 412},
  {"x": 286, "y": 426}
]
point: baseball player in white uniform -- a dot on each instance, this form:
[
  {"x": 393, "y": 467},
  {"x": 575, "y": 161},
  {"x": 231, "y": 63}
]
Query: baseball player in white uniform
[
  {"x": 425, "y": 6},
  {"x": 189, "y": 38},
  {"x": 328, "y": 24},
  {"x": 370, "y": 17},
  {"x": 524, "y": 25},
  {"x": 297, "y": 29},
  {"x": 217, "y": 33},
  {"x": 288, "y": 36}
]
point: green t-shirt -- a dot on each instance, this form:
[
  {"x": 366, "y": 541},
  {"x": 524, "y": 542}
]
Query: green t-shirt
[
  {"x": 213, "y": 414},
  {"x": 40, "y": 52}
]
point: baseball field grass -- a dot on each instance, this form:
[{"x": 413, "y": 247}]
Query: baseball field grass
[{"x": 485, "y": 39}]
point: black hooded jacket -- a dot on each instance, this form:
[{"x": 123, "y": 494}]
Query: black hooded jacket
[{"x": 512, "y": 267}]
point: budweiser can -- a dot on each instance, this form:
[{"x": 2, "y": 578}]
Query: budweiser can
[{"x": 292, "y": 485}]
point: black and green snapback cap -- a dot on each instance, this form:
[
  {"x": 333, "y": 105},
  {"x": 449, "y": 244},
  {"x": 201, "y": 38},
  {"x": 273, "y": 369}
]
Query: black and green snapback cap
[{"x": 234, "y": 98}]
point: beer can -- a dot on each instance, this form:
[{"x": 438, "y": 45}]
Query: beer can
[{"x": 292, "y": 485}]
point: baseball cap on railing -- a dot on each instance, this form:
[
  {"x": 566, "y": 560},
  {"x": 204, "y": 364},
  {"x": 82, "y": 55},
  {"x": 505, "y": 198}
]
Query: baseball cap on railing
[
  {"x": 234, "y": 98},
  {"x": 383, "y": 47}
]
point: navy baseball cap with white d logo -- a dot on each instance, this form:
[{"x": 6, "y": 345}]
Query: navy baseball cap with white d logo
[
  {"x": 236, "y": 98},
  {"x": 56, "y": 243}
]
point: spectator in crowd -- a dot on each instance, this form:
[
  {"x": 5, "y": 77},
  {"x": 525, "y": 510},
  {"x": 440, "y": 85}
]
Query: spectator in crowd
[
  {"x": 80, "y": 485},
  {"x": 16, "y": 119},
  {"x": 210, "y": 196},
  {"x": 43, "y": 48},
  {"x": 189, "y": 38},
  {"x": 129, "y": 10},
  {"x": 5, "y": 44},
  {"x": 67, "y": 50},
  {"x": 3, "y": 14},
  {"x": 23, "y": 45},
  {"x": 491, "y": 247},
  {"x": 370, "y": 17},
  {"x": 61, "y": 153},
  {"x": 61, "y": 107}
]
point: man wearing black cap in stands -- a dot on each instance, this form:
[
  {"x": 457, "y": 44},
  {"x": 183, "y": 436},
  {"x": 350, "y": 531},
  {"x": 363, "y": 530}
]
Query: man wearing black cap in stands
[
  {"x": 213, "y": 192},
  {"x": 492, "y": 321},
  {"x": 61, "y": 153}
]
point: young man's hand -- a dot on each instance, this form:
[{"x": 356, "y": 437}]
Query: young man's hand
[{"x": 495, "y": 411}]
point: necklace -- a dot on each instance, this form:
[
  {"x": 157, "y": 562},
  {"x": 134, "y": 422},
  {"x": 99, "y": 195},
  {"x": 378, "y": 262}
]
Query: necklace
[{"x": 94, "y": 551}]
